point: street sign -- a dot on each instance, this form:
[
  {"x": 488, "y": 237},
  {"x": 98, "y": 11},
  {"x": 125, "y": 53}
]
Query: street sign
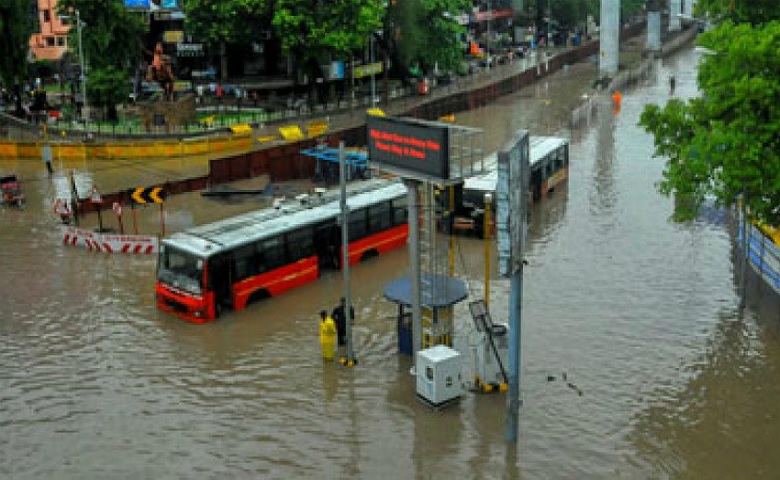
[
  {"x": 60, "y": 207},
  {"x": 95, "y": 196},
  {"x": 149, "y": 195}
]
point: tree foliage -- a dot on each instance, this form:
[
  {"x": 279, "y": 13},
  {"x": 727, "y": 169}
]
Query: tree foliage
[
  {"x": 110, "y": 35},
  {"x": 726, "y": 142},
  {"x": 314, "y": 32},
  {"x": 425, "y": 32},
  {"x": 15, "y": 31},
  {"x": 111, "y": 43},
  {"x": 228, "y": 22},
  {"x": 739, "y": 11}
]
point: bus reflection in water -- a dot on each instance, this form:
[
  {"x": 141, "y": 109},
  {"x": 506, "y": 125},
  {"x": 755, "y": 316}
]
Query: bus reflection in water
[
  {"x": 549, "y": 168},
  {"x": 233, "y": 262}
]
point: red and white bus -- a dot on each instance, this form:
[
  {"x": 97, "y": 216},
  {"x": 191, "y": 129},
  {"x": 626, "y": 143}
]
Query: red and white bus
[{"x": 231, "y": 263}]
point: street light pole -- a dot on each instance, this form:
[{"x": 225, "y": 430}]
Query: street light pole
[
  {"x": 549, "y": 17},
  {"x": 373, "y": 74},
  {"x": 487, "y": 43},
  {"x": 83, "y": 76}
]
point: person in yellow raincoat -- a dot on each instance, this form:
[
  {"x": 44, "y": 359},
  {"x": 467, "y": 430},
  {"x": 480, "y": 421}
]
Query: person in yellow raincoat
[{"x": 327, "y": 336}]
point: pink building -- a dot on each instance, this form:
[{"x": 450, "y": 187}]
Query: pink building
[{"x": 52, "y": 39}]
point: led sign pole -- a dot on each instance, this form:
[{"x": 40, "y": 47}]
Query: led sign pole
[{"x": 414, "y": 260}]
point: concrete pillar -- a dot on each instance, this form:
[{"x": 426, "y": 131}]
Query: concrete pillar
[
  {"x": 675, "y": 10},
  {"x": 653, "y": 31},
  {"x": 688, "y": 8},
  {"x": 609, "y": 37}
]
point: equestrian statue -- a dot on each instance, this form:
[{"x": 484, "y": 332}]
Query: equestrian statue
[{"x": 160, "y": 71}]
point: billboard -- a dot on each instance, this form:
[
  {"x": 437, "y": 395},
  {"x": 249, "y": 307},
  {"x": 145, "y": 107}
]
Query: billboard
[
  {"x": 153, "y": 4},
  {"x": 409, "y": 148},
  {"x": 512, "y": 202}
]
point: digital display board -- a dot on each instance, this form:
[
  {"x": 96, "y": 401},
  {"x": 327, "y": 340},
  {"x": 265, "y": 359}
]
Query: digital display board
[
  {"x": 511, "y": 202},
  {"x": 409, "y": 148}
]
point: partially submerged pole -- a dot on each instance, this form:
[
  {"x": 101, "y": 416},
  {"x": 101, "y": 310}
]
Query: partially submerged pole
[{"x": 345, "y": 251}]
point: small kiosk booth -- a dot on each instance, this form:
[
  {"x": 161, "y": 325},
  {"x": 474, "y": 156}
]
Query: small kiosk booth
[{"x": 437, "y": 306}]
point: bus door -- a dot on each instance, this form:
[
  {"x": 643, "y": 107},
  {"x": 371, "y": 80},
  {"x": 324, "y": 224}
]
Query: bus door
[
  {"x": 220, "y": 282},
  {"x": 537, "y": 180},
  {"x": 327, "y": 238}
]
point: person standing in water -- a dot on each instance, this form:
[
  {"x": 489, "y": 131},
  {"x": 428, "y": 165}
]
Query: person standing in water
[{"x": 327, "y": 336}]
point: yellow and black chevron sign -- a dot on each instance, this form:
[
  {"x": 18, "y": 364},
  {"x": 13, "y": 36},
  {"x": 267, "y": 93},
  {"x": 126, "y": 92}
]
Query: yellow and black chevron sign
[{"x": 148, "y": 195}]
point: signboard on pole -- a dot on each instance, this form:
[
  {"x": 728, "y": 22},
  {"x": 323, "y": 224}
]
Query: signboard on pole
[
  {"x": 410, "y": 148},
  {"x": 368, "y": 70},
  {"x": 143, "y": 195},
  {"x": 95, "y": 196},
  {"x": 511, "y": 202}
]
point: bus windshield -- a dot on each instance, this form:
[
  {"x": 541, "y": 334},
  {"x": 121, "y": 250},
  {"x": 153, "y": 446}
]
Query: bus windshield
[{"x": 180, "y": 270}]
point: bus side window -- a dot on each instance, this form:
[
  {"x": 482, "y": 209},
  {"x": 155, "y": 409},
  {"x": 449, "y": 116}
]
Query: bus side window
[
  {"x": 272, "y": 253},
  {"x": 379, "y": 217},
  {"x": 300, "y": 244},
  {"x": 244, "y": 262},
  {"x": 358, "y": 227},
  {"x": 400, "y": 211}
]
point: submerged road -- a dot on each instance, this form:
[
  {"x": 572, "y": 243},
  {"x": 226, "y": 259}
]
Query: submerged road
[{"x": 638, "y": 313}]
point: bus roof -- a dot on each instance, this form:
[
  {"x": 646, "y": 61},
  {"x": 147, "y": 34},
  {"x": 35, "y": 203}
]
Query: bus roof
[
  {"x": 539, "y": 148},
  {"x": 208, "y": 239}
]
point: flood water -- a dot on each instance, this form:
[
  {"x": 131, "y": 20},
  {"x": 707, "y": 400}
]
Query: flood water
[{"x": 639, "y": 313}]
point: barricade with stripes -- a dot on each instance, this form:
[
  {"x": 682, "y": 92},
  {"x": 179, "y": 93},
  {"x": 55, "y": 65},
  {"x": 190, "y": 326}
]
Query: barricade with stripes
[{"x": 110, "y": 243}]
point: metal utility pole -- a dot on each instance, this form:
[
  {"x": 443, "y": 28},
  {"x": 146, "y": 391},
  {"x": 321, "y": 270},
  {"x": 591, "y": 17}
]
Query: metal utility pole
[
  {"x": 549, "y": 21},
  {"x": 487, "y": 43},
  {"x": 373, "y": 75},
  {"x": 515, "y": 344},
  {"x": 345, "y": 250}
]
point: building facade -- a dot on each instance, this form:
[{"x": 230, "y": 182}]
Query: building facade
[{"x": 50, "y": 41}]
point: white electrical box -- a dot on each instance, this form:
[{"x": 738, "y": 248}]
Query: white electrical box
[
  {"x": 438, "y": 375},
  {"x": 489, "y": 360}
]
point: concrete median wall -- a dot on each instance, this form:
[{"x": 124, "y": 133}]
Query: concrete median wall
[{"x": 127, "y": 149}]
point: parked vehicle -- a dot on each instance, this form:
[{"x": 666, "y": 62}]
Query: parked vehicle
[{"x": 11, "y": 191}]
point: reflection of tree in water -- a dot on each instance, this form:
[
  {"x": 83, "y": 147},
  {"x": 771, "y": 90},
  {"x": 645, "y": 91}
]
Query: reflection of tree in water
[{"x": 725, "y": 422}]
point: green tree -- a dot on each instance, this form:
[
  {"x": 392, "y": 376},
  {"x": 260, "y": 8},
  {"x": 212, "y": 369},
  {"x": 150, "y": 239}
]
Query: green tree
[
  {"x": 315, "y": 32},
  {"x": 425, "y": 33},
  {"x": 15, "y": 30},
  {"x": 111, "y": 40},
  {"x": 739, "y": 11},
  {"x": 726, "y": 142},
  {"x": 224, "y": 22}
]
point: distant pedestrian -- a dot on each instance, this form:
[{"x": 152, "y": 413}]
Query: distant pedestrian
[
  {"x": 327, "y": 336},
  {"x": 672, "y": 82},
  {"x": 47, "y": 157},
  {"x": 220, "y": 92},
  {"x": 340, "y": 317}
]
